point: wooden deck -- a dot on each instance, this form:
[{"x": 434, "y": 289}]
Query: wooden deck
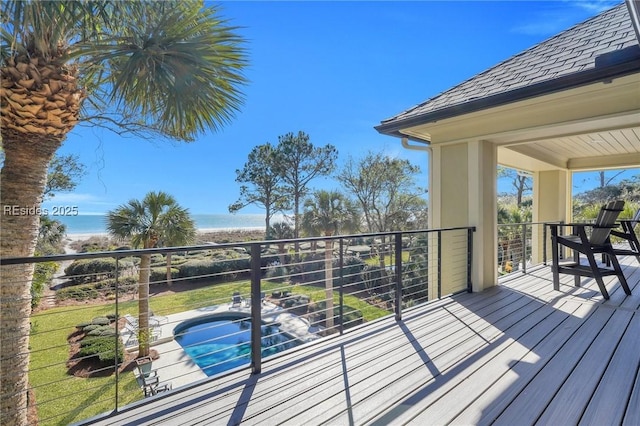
[{"x": 520, "y": 353}]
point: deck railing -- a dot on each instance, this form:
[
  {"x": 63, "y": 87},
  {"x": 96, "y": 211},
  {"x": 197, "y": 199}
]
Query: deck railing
[
  {"x": 521, "y": 245},
  {"x": 249, "y": 300}
]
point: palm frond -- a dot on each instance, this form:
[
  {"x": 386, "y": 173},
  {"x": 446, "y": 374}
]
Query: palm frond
[{"x": 181, "y": 70}]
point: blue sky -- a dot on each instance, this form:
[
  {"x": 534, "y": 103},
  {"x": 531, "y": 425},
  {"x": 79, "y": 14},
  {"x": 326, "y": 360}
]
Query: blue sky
[{"x": 331, "y": 69}]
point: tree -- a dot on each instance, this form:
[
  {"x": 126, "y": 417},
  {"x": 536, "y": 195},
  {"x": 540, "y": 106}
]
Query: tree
[
  {"x": 298, "y": 162},
  {"x": 153, "y": 69},
  {"x": 264, "y": 187},
  {"x": 329, "y": 213},
  {"x": 147, "y": 224},
  {"x": 280, "y": 231},
  {"x": 521, "y": 181},
  {"x": 385, "y": 190},
  {"x": 604, "y": 181},
  {"x": 63, "y": 174}
]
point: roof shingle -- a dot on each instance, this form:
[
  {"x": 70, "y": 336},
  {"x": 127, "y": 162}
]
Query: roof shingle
[{"x": 573, "y": 50}]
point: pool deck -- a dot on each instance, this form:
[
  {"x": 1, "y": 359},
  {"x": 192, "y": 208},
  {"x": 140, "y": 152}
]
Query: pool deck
[{"x": 176, "y": 367}]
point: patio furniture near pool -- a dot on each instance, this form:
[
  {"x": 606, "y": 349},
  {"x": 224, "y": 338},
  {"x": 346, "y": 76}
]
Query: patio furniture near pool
[{"x": 149, "y": 380}]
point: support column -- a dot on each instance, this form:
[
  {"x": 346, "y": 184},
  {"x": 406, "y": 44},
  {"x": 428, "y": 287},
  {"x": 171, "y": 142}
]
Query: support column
[
  {"x": 551, "y": 203},
  {"x": 463, "y": 192}
]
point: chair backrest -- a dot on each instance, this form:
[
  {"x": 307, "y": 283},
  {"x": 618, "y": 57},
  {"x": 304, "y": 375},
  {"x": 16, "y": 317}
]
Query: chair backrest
[
  {"x": 130, "y": 319},
  {"x": 605, "y": 221},
  {"x": 635, "y": 219}
]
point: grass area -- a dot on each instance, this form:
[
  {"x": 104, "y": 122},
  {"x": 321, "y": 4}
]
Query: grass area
[{"x": 63, "y": 399}]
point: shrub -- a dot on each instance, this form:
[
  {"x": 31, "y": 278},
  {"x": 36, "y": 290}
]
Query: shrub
[
  {"x": 91, "y": 327},
  {"x": 98, "y": 331},
  {"x": 101, "y": 321},
  {"x": 216, "y": 267},
  {"x": 376, "y": 279},
  {"x": 92, "y": 270},
  {"x": 108, "y": 332},
  {"x": 83, "y": 324},
  {"x": 159, "y": 274},
  {"x": 102, "y": 347},
  {"x": 125, "y": 284},
  {"x": 78, "y": 292},
  {"x": 42, "y": 274},
  {"x": 277, "y": 272},
  {"x": 83, "y": 270},
  {"x": 353, "y": 267},
  {"x": 311, "y": 269}
]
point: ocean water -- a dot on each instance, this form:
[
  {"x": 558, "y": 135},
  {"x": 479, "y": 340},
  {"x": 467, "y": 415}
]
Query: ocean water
[{"x": 96, "y": 224}]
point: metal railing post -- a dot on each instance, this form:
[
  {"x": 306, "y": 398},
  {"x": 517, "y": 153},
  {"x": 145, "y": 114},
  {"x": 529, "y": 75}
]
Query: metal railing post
[
  {"x": 544, "y": 244},
  {"x": 469, "y": 258},
  {"x": 439, "y": 264},
  {"x": 256, "y": 307},
  {"x": 524, "y": 248},
  {"x": 340, "y": 291},
  {"x": 398, "y": 253},
  {"x": 117, "y": 335}
]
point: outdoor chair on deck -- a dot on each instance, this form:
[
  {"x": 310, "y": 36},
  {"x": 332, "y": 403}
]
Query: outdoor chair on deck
[
  {"x": 598, "y": 242},
  {"x": 132, "y": 330},
  {"x": 150, "y": 382},
  {"x": 627, "y": 232}
]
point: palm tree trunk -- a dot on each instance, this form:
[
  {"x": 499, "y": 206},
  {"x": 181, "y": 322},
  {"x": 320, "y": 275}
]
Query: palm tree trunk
[
  {"x": 328, "y": 267},
  {"x": 23, "y": 179},
  {"x": 143, "y": 306}
]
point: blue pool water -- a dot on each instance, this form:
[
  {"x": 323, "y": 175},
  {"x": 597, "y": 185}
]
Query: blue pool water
[{"x": 218, "y": 343}]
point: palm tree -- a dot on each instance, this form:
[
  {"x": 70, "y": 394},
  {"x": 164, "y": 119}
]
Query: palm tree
[
  {"x": 157, "y": 218},
  {"x": 148, "y": 68},
  {"x": 328, "y": 213},
  {"x": 280, "y": 231}
]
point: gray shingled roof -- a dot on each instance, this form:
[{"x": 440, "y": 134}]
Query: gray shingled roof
[{"x": 572, "y": 51}]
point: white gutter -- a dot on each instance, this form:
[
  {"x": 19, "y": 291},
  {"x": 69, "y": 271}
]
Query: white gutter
[{"x": 424, "y": 147}]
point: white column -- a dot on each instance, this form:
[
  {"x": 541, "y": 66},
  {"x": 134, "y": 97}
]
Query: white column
[
  {"x": 551, "y": 203},
  {"x": 463, "y": 192}
]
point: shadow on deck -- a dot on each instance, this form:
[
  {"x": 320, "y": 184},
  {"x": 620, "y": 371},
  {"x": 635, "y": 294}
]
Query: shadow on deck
[{"x": 519, "y": 353}]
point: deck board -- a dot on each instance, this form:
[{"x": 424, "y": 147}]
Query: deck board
[{"x": 518, "y": 353}]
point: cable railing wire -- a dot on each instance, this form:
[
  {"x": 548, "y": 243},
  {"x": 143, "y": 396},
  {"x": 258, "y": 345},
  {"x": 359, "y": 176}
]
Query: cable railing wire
[{"x": 285, "y": 294}]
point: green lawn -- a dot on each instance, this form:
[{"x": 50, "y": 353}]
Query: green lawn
[{"x": 62, "y": 398}]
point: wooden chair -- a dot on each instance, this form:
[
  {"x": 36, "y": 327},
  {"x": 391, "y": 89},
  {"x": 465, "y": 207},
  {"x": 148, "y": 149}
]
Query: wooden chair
[
  {"x": 627, "y": 232},
  {"x": 598, "y": 242}
]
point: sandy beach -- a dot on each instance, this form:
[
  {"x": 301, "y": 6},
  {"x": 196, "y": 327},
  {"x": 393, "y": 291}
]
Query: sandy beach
[{"x": 204, "y": 235}]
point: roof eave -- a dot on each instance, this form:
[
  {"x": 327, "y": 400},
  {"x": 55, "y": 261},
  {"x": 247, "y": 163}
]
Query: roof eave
[{"x": 608, "y": 67}]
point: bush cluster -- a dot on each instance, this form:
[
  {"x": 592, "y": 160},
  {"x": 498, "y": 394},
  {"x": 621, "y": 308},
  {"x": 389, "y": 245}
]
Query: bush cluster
[
  {"x": 92, "y": 291},
  {"x": 159, "y": 274},
  {"x": 92, "y": 270},
  {"x": 214, "y": 267},
  {"x": 42, "y": 274},
  {"x": 99, "y": 340}
]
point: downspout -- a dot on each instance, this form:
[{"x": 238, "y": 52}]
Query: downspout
[{"x": 424, "y": 147}]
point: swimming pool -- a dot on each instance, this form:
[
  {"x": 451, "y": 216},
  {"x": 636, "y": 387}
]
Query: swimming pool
[{"x": 220, "y": 342}]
